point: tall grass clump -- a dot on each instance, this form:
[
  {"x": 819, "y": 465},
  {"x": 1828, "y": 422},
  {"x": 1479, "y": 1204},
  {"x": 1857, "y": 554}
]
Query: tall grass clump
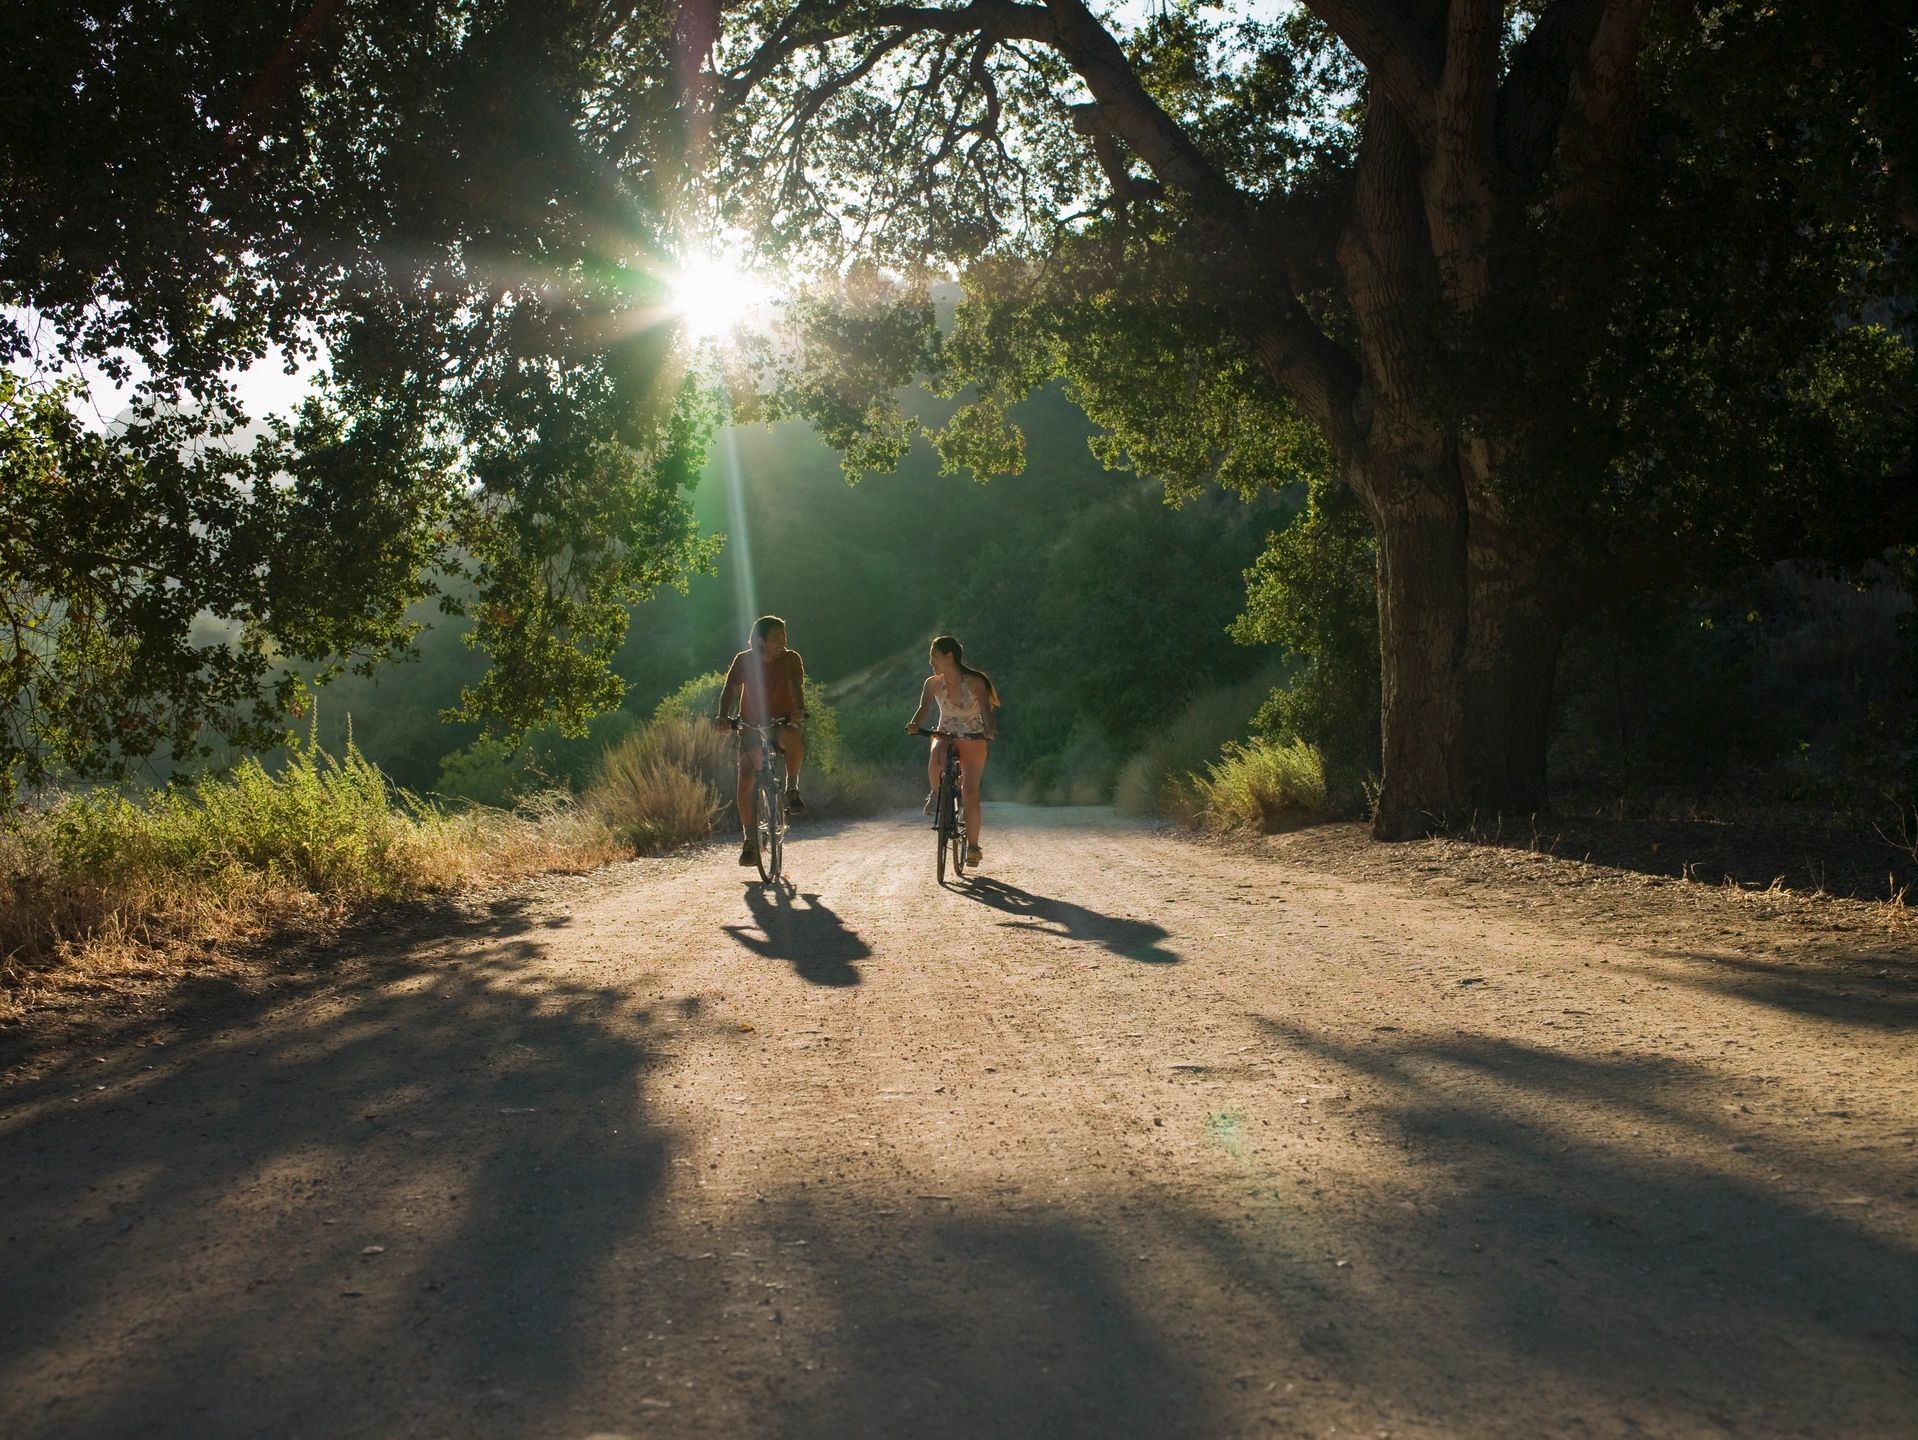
[
  {"x": 660, "y": 787},
  {"x": 1153, "y": 781},
  {"x": 1262, "y": 786},
  {"x": 96, "y": 876},
  {"x": 669, "y": 783}
]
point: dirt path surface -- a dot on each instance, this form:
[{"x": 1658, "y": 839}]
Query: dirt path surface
[{"x": 1134, "y": 1137}]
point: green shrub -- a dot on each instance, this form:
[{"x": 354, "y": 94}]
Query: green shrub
[
  {"x": 697, "y": 699},
  {"x": 1152, "y": 781},
  {"x": 876, "y": 734},
  {"x": 1315, "y": 592},
  {"x": 490, "y": 771},
  {"x": 335, "y": 827},
  {"x": 1262, "y": 786}
]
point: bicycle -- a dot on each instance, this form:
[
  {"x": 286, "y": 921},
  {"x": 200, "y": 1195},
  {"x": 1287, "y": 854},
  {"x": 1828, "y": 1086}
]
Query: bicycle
[
  {"x": 948, "y": 814},
  {"x": 769, "y": 799}
]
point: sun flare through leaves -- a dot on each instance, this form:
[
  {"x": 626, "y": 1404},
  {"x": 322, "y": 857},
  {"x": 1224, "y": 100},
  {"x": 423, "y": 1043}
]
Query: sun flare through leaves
[{"x": 714, "y": 298}]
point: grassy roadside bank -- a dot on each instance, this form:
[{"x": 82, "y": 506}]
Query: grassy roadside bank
[
  {"x": 101, "y": 884},
  {"x": 97, "y": 889}
]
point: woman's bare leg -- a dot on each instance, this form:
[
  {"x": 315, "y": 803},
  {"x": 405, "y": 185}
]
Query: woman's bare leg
[{"x": 972, "y": 774}]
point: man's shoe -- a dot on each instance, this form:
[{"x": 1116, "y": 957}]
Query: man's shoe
[
  {"x": 931, "y": 796},
  {"x": 749, "y": 853},
  {"x": 974, "y": 854},
  {"x": 794, "y": 805}
]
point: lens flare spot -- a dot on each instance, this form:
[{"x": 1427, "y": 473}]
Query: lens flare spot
[{"x": 714, "y": 298}]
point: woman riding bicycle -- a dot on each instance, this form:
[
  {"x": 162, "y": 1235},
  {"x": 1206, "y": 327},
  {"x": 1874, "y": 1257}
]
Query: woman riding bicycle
[
  {"x": 768, "y": 683},
  {"x": 966, "y": 699}
]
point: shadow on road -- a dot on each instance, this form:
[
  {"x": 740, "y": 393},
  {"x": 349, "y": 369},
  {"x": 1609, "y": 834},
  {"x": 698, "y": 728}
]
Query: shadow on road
[
  {"x": 975, "y": 1323},
  {"x": 1858, "y": 863},
  {"x": 1558, "y": 1238},
  {"x": 1122, "y": 935},
  {"x": 285, "y": 1213},
  {"x": 1870, "y": 991},
  {"x": 805, "y": 932}
]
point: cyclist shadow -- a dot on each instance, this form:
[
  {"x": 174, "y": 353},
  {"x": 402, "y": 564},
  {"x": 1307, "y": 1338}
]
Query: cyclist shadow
[
  {"x": 821, "y": 948},
  {"x": 1125, "y": 937}
]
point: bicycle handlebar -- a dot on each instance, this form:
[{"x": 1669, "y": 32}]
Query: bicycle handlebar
[{"x": 950, "y": 734}]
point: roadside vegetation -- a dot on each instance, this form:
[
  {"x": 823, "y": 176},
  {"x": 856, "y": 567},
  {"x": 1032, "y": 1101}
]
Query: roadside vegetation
[
  {"x": 1263, "y": 786},
  {"x": 97, "y": 881}
]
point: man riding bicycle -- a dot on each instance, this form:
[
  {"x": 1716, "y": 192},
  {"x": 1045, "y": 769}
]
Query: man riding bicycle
[{"x": 765, "y": 683}]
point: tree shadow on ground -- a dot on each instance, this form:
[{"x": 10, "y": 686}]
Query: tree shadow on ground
[
  {"x": 805, "y": 932},
  {"x": 1121, "y": 935},
  {"x": 419, "y": 1176},
  {"x": 1878, "y": 992},
  {"x": 1539, "y": 1229},
  {"x": 1853, "y": 863},
  {"x": 968, "y": 1324}
]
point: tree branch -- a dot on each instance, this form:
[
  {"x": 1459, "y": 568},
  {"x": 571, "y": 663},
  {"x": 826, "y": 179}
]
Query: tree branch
[
  {"x": 1090, "y": 122},
  {"x": 1403, "y": 63},
  {"x": 1134, "y": 116},
  {"x": 1532, "y": 98},
  {"x": 1295, "y": 350}
]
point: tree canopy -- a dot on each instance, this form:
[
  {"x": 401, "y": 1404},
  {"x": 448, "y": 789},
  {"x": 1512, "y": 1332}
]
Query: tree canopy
[
  {"x": 1576, "y": 297},
  {"x": 1572, "y": 295},
  {"x": 417, "y": 200}
]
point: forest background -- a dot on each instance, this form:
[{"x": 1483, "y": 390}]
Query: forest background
[{"x": 1132, "y": 638}]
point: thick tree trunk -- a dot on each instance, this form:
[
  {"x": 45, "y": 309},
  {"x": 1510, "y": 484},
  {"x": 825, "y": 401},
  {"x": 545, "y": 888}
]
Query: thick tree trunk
[
  {"x": 1423, "y": 633},
  {"x": 1470, "y": 627},
  {"x": 1516, "y": 630}
]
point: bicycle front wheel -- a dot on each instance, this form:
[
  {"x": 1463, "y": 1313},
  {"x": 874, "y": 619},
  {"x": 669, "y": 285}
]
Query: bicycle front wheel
[
  {"x": 944, "y": 829},
  {"x": 765, "y": 832}
]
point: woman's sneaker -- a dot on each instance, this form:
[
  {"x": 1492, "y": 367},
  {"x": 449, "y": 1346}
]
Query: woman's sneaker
[
  {"x": 794, "y": 805},
  {"x": 974, "y": 854},
  {"x": 931, "y": 796},
  {"x": 749, "y": 853}
]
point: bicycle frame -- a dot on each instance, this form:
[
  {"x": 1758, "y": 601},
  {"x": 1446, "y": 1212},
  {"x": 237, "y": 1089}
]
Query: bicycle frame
[
  {"x": 769, "y": 798},
  {"x": 949, "y": 815}
]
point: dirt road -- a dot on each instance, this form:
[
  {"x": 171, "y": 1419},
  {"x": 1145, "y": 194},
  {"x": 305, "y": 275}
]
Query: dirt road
[{"x": 1134, "y": 1137}]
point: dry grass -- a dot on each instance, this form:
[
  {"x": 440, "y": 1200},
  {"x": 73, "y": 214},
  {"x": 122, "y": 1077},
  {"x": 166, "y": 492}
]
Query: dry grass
[
  {"x": 665, "y": 786},
  {"x": 98, "y": 884},
  {"x": 1263, "y": 786},
  {"x": 660, "y": 787}
]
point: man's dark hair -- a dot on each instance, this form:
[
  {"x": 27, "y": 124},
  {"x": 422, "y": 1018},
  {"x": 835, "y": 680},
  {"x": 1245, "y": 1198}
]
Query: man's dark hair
[{"x": 765, "y": 625}]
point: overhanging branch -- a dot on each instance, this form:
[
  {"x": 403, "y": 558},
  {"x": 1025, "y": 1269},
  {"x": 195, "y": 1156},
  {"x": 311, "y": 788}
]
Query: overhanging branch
[{"x": 1402, "y": 62}]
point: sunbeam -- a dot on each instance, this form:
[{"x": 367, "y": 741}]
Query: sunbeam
[{"x": 745, "y": 591}]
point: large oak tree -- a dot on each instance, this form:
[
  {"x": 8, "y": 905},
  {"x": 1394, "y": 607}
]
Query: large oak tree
[{"x": 1570, "y": 294}]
